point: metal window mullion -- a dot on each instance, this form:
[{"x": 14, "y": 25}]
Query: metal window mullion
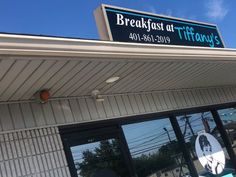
[
  {"x": 224, "y": 136},
  {"x": 183, "y": 146}
]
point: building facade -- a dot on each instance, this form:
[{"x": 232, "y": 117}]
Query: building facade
[{"x": 175, "y": 92}]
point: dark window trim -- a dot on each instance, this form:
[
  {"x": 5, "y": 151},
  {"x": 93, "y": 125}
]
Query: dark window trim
[
  {"x": 67, "y": 130},
  {"x": 182, "y": 144},
  {"x": 224, "y": 136},
  {"x": 82, "y": 136}
]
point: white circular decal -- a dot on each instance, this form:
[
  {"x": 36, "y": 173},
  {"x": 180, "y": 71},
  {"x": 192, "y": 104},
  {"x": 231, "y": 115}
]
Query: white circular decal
[{"x": 210, "y": 153}]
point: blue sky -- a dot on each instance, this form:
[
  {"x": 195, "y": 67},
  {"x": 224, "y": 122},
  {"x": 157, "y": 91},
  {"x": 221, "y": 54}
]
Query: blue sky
[{"x": 74, "y": 18}]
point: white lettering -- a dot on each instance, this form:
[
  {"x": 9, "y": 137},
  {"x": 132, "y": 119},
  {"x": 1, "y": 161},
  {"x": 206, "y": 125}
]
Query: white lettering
[
  {"x": 138, "y": 24},
  {"x": 119, "y": 19},
  {"x": 141, "y": 23},
  {"x": 132, "y": 23},
  {"x": 127, "y": 21}
]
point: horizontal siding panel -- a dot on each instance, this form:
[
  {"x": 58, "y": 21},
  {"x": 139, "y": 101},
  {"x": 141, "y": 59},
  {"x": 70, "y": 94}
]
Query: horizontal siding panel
[
  {"x": 76, "y": 110},
  {"x": 114, "y": 106},
  {"x": 174, "y": 104},
  {"x": 227, "y": 93},
  {"x": 66, "y": 109},
  {"x": 57, "y": 111},
  {"x": 92, "y": 108},
  {"x": 212, "y": 95},
  {"x": 121, "y": 105},
  {"x": 84, "y": 109},
  {"x": 171, "y": 97},
  {"x": 151, "y": 102},
  {"x": 190, "y": 97},
  {"x": 162, "y": 100},
  {"x": 157, "y": 101},
  {"x": 204, "y": 95},
  {"x": 200, "y": 98},
  {"x": 107, "y": 108},
  {"x": 28, "y": 115},
  {"x": 133, "y": 103},
  {"x": 230, "y": 93},
  {"x": 48, "y": 113},
  {"x": 101, "y": 110},
  {"x": 140, "y": 104},
  {"x": 17, "y": 117},
  {"x": 38, "y": 114},
  {"x": 127, "y": 105},
  {"x": 145, "y": 102},
  {"x": 223, "y": 94},
  {"x": 195, "y": 97}
]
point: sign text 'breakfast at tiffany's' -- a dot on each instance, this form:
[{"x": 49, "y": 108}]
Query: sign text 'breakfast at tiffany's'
[{"x": 127, "y": 25}]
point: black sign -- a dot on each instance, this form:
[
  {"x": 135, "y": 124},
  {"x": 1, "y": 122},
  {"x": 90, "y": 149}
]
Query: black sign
[{"x": 130, "y": 26}]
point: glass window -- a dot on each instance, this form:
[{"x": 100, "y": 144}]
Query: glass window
[
  {"x": 96, "y": 152},
  {"x": 99, "y": 159},
  {"x": 205, "y": 144},
  {"x": 228, "y": 117},
  {"x": 154, "y": 149}
]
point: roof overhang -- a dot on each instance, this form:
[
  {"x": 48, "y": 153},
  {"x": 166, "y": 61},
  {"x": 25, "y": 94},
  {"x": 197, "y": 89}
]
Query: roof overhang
[
  {"x": 25, "y": 45},
  {"x": 75, "y": 67}
]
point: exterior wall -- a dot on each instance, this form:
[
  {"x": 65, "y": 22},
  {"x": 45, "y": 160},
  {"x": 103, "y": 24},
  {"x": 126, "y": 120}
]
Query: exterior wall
[
  {"x": 30, "y": 145},
  {"x": 32, "y": 153},
  {"x": 68, "y": 111}
]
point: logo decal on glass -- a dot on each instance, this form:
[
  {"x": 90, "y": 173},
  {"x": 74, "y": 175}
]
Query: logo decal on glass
[{"x": 210, "y": 153}]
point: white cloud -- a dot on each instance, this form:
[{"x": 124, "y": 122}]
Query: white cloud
[
  {"x": 152, "y": 9},
  {"x": 216, "y": 9}
]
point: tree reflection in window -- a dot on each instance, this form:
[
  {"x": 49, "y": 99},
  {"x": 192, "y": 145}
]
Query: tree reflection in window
[
  {"x": 104, "y": 156},
  {"x": 155, "y": 150}
]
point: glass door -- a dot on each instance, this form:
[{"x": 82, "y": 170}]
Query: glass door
[{"x": 97, "y": 153}]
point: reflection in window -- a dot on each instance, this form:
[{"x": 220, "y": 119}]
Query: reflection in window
[
  {"x": 101, "y": 158},
  {"x": 210, "y": 147},
  {"x": 228, "y": 117},
  {"x": 154, "y": 149}
]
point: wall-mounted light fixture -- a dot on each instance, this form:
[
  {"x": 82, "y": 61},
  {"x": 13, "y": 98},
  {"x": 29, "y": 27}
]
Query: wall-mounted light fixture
[
  {"x": 42, "y": 96},
  {"x": 97, "y": 96}
]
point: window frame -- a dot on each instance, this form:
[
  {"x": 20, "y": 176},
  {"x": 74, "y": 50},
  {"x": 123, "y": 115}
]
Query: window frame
[
  {"x": 83, "y": 136},
  {"x": 114, "y": 125}
]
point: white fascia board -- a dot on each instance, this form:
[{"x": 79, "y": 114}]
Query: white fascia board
[{"x": 24, "y": 45}]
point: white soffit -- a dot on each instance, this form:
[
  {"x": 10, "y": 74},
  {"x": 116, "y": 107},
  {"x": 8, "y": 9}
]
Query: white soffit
[{"x": 74, "y": 67}]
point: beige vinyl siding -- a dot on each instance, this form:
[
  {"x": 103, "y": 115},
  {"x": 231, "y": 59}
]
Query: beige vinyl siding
[{"x": 76, "y": 110}]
